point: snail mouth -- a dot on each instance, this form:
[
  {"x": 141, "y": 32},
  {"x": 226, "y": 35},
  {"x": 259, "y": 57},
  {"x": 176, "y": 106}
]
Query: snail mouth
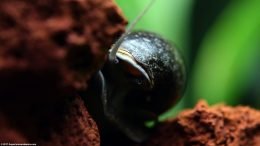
[{"x": 132, "y": 65}]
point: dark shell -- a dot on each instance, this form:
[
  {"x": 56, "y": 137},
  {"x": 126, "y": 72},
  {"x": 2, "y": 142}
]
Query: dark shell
[
  {"x": 163, "y": 64},
  {"x": 129, "y": 104}
]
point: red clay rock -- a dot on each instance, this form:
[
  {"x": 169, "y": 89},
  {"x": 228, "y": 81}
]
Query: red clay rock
[
  {"x": 77, "y": 128},
  {"x": 49, "y": 50},
  {"x": 219, "y": 125},
  {"x": 68, "y": 38}
]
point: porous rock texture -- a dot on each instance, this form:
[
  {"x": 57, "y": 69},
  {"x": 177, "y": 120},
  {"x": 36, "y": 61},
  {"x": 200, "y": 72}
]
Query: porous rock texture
[
  {"x": 49, "y": 50},
  {"x": 219, "y": 125}
]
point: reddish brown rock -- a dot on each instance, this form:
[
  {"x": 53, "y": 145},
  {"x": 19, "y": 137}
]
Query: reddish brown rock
[
  {"x": 49, "y": 50},
  {"x": 67, "y": 39},
  {"x": 219, "y": 125},
  {"x": 77, "y": 128},
  {"x": 64, "y": 124}
]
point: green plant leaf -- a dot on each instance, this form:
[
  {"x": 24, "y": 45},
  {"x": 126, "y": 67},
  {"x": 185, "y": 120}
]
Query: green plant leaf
[{"x": 227, "y": 52}]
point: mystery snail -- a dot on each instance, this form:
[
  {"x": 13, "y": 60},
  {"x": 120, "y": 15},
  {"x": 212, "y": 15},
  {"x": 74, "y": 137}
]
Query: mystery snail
[{"x": 143, "y": 77}]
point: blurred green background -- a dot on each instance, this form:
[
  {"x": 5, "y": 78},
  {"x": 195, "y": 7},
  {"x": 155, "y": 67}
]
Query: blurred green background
[{"x": 220, "y": 40}]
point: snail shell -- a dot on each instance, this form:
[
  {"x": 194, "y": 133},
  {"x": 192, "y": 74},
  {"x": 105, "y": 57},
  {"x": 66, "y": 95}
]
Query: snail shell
[{"x": 147, "y": 78}]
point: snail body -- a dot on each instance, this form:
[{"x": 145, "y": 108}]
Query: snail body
[
  {"x": 143, "y": 77},
  {"x": 146, "y": 79}
]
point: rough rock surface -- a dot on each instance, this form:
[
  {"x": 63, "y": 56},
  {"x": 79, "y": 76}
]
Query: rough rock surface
[
  {"x": 219, "y": 125},
  {"x": 67, "y": 37},
  {"x": 49, "y": 50}
]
